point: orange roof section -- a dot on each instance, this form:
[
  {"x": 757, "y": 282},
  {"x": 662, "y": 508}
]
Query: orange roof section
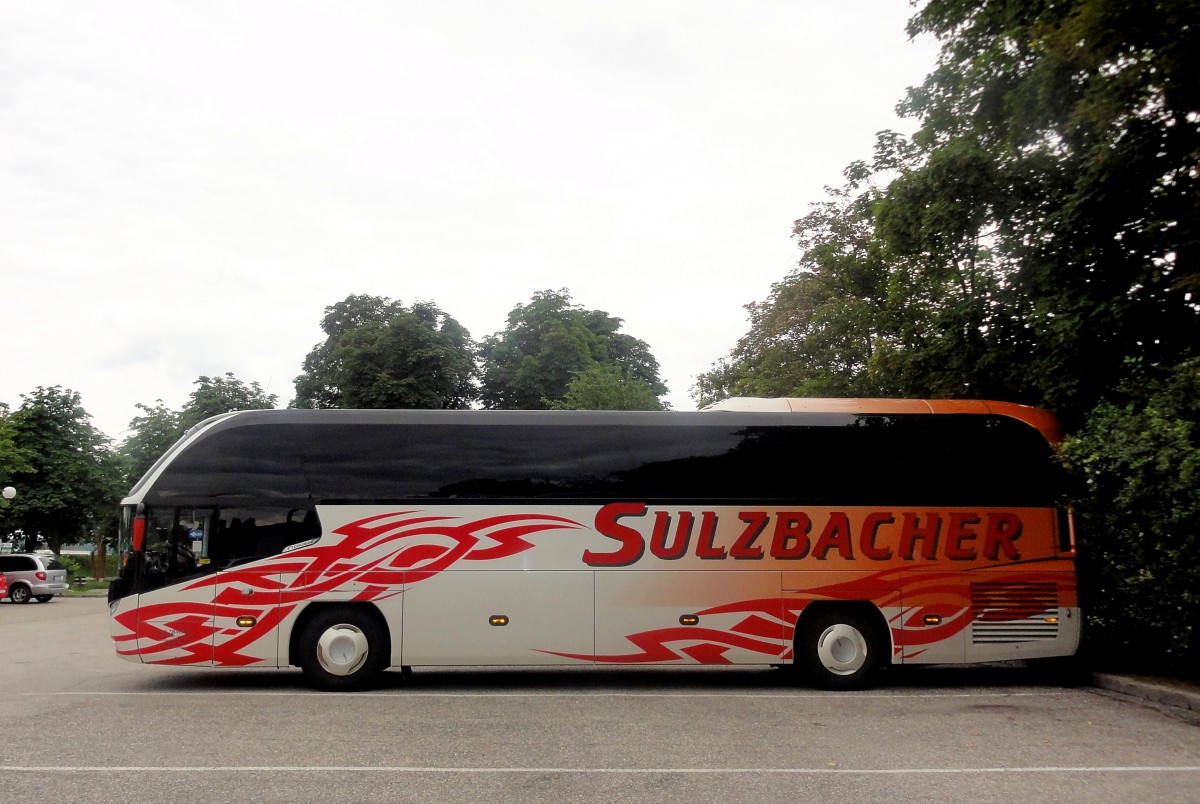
[{"x": 1043, "y": 421}]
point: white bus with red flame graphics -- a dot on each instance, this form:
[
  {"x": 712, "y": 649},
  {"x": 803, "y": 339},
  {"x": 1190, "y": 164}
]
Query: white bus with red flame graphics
[{"x": 839, "y": 536}]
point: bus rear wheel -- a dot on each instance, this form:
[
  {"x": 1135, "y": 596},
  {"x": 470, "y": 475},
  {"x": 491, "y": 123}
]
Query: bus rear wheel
[
  {"x": 840, "y": 649},
  {"x": 344, "y": 649}
]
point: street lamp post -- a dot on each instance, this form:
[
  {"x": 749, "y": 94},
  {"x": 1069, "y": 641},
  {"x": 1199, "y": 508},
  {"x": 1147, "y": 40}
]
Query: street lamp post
[{"x": 8, "y": 492}]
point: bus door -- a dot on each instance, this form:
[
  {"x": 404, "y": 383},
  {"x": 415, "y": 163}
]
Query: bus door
[
  {"x": 241, "y": 548},
  {"x": 175, "y": 606}
]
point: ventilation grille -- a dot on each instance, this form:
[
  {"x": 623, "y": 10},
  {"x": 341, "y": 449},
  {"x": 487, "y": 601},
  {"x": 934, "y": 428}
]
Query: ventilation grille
[{"x": 1013, "y": 612}]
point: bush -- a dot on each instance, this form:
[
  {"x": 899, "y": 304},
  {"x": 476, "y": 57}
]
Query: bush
[
  {"x": 1138, "y": 514},
  {"x": 75, "y": 568}
]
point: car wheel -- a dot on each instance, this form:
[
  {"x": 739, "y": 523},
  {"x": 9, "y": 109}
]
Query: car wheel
[
  {"x": 344, "y": 649},
  {"x": 19, "y": 594},
  {"x": 841, "y": 649},
  {"x": 44, "y": 598}
]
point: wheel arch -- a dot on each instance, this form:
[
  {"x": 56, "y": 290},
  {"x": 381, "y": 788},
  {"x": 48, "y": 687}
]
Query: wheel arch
[
  {"x": 864, "y": 608},
  {"x": 313, "y": 609}
]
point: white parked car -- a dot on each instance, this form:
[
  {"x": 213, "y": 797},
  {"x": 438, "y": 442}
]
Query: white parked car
[{"x": 33, "y": 576}]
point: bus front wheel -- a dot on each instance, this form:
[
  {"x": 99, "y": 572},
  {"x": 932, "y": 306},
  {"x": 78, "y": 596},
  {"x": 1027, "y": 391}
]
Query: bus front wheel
[
  {"x": 344, "y": 649},
  {"x": 840, "y": 649}
]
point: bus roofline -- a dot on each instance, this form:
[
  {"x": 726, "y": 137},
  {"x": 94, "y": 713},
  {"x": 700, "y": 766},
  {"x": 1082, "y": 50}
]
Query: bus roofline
[
  {"x": 147, "y": 481},
  {"x": 1041, "y": 420}
]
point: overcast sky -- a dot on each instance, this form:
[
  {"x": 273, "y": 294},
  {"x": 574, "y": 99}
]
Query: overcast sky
[{"x": 185, "y": 186}]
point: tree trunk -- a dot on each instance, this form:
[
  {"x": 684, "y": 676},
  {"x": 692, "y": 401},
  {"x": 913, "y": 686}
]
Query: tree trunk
[{"x": 99, "y": 559}]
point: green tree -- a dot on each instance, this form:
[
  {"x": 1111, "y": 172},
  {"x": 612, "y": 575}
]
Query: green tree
[
  {"x": 71, "y": 482},
  {"x": 380, "y": 354},
  {"x": 317, "y": 386},
  {"x": 150, "y": 435},
  {"x": 1067, "y": 134},
  {"x": 1137, "y": 460},
  {"x": 547, "y": 343},
  {"x": 157, "y": 428},
  {"x": 821, "y": 330},
  {"x": 216, "y": 395},
  {"x": 608, "y": 387},
  {"x": 13, "y": 458}
]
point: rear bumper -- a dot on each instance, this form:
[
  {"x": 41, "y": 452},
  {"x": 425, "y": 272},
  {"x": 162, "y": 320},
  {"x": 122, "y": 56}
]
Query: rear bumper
[{"x": 48, "y": 588}]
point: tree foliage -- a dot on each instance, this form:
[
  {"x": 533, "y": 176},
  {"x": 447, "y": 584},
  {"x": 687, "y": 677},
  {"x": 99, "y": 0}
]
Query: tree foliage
[
  {"x": 550, "y": 341},
  {"x": 68, "y": 479},
  {"x": 13, "y": 458},
  {"x": 151, "y": 434},
  {"x": 1085, "y": 117},
  {"x": 380, "y": 354},
  {"x": 820, "y": 329},
  {"x": 216, "y": 395},
  {"x": 1138, "y": 463},
  {"x": 608, "y": 387},
  {"x": 156, "y": 428}
]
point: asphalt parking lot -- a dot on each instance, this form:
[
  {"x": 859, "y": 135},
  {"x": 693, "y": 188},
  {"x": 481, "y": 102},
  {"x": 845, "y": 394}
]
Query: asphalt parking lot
[{"x": 84, "y": 725}]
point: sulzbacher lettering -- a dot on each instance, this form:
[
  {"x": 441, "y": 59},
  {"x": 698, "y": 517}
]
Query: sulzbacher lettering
[{"x": 792, "y": 535}]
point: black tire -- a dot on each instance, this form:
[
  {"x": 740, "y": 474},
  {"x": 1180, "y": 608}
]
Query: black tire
[
  {"x": 19, "y": 593},
  {"x": 44, "y": 598},
  {"x": 344, "y": 649},
  {"x": 840, "y": 649}
]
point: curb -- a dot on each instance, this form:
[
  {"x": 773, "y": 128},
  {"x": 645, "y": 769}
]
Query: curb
[{"x": 1156, "y": 693}]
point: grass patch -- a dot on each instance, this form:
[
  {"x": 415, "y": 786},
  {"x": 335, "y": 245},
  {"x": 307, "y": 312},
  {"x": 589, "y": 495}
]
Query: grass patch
[
  {"x": 81, "y": 587},
  {"x": 79, "y": 574}
]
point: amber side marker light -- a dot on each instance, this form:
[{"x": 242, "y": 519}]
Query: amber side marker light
[
  {"x": 1051, "y": 619},
  {"x": 689, "y": 619},
  {"x": 498, "y": 619},
  {"x": 932, "y": 619},
  {"x": 246, "y": 621}
]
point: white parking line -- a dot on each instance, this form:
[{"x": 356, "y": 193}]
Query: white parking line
[{"x": 49, "y": 769}]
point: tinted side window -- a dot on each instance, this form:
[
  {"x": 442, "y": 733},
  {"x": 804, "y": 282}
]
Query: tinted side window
[
  {"x": 17, "y": 564},
  {"x": 850, "y": 460},
  {"x": 242, "y": 465},
  {"x": 243, "y": 534},
  {"x": 376, "y": 463}
]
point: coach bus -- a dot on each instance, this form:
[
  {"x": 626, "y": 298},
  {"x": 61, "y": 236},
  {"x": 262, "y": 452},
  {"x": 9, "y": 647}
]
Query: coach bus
[{"x": 836, "y": 536}]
